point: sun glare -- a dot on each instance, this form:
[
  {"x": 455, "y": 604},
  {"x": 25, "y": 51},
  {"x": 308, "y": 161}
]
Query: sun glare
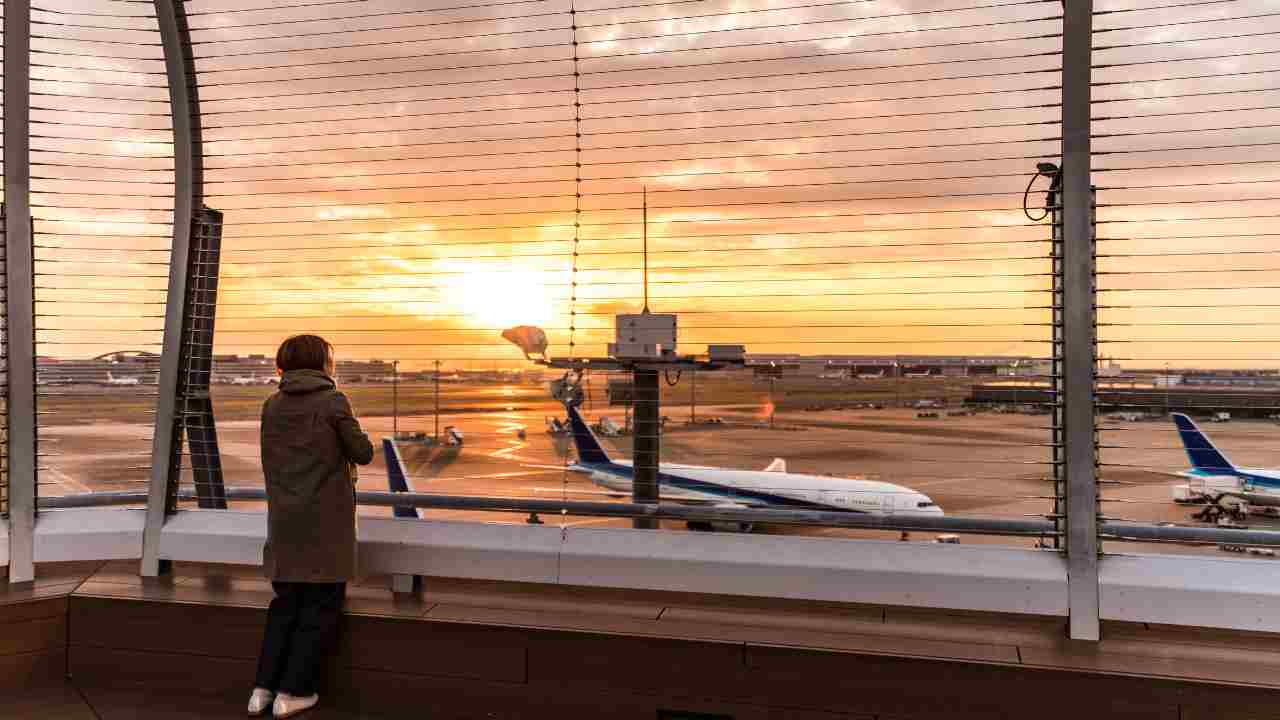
[{"x": 501, "y": 299}]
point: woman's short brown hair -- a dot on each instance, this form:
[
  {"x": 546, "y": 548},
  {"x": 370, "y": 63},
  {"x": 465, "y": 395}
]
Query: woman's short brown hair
[{"x": 304, "y": 352}]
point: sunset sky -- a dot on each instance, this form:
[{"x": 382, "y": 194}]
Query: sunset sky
[{"x": 823, "y": 177}]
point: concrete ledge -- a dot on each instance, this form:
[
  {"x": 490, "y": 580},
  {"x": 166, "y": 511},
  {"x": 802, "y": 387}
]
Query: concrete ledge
[
  {"x": 88, "y": 534},
  {"x": 488, "y": 551},
  {"x": 1188, "y": 590},
  {"x": 1176, "y": 590},
  {"x": 214, "y": 536},
  {"x": 994, "y": 579}
]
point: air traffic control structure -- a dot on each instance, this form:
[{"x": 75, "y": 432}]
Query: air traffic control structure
[{"x": 646, "y": 347}]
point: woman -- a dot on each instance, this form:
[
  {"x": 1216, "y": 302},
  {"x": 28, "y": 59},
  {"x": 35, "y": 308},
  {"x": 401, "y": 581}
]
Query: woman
[{"x": 311, "y": 443}]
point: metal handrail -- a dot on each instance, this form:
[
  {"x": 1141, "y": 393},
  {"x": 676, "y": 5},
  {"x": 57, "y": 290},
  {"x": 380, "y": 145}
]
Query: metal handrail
[{"x": 1111, "y": 530}]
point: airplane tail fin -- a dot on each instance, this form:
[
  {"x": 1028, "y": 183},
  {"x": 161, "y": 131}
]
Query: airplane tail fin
[
  {"x": 1200, "y": 450},
  {"x": 397, "y": 478},
  {"x": 589, "y": 449}
]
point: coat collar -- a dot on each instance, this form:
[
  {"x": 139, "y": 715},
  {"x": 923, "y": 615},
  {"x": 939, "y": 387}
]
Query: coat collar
[{"x": 297, "y": 382}]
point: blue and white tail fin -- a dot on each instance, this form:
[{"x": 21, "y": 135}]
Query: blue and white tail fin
[
  {"x": 397, "y": 478},
  {"x": 1204, "y": 457},
  {"x": 589, "y": 450}
]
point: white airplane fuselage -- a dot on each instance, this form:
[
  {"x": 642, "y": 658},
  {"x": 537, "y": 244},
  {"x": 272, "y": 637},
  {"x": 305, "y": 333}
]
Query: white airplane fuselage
[
  {"x": 1256, "y": 486},
  {"x": 729, "y": 487},
  {"x": 760, "y": 488},
  {"x": 1213, "y": 475}
]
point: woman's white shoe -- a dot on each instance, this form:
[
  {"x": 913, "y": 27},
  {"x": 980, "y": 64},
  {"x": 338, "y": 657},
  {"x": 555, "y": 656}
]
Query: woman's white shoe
[
  {"x": 260, "y": 701},
  {"x": 287, "y": 705}
]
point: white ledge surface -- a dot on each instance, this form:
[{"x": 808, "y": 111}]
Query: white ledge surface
[
  {"x": 88, "y": 534},
  {"x": 997, "y": 579},
  {"x": 1226, "y": 593}
]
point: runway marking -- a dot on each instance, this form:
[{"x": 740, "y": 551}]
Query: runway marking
[
  {"x": 64, "y": 479},
  {"x": 505, "y": 453},
  {"x": 597, "y": 521}
]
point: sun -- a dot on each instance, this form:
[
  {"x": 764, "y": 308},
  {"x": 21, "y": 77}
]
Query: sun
[{"x": 503, "y": 298}]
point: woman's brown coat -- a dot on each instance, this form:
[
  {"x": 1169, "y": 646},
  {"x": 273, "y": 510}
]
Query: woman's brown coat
[{"x": 311, "y": 443}]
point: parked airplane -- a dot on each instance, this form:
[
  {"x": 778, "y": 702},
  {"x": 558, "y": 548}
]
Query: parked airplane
[
  {"x": 1216, "y": 480},
  {"x": 113, "y": 380},
  {"x": 397, "y": 478},
  {"x": 772, "y": 487},
  {"x": 609, "y": 428}
]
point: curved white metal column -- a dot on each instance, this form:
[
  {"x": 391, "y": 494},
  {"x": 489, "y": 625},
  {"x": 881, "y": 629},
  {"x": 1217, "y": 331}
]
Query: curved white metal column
[
  {"x": 19, "y": 300},
  {"x": 186, "y": 189}
]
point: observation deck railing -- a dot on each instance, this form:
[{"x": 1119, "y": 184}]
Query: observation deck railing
[{"x": 1068, "y": 574}]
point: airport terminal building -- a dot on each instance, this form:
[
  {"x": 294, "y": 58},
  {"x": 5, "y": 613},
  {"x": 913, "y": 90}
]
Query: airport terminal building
[{"x": 890, "y": 366}]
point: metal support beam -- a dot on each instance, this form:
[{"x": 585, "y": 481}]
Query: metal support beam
[
  {"x": 179, "y": 68},
  {"x": 196, "y": 364},
  {"x": 1079, "y": 324},
  {"x": 19, "y": 292},
  {"x": 645, "y": 446},
  {"x": 1053, "y": 201}
]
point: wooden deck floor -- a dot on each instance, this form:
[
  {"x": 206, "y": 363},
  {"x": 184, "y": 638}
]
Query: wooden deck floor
[{"x": 185, "y": 646}]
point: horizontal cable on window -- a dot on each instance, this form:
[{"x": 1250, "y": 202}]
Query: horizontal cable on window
[
  {"x": 1183, "y": 23},
  {"x": 1155, "y": 43},
  {"x": 363, "y": 15},
  {"x": 808, "y": 23},
  {"x": 593, "y": 164},
  {"x": 285, "y": 6},
  {"x": 607, "y": 147},
  {"x": 604, "y": 178},
  {"x": 399, "y": 301},
  {"x": 678, "y": 50},
  {"x": 356, "y": 118},
  {"x": 588, "y": 313},
  {"x": 617, "y": 283},
  {"x": 655, "y": 268}
]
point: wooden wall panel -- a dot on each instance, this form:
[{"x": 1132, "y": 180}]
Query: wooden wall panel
[
  {"x": 640, "y": 664},
  {"x": 33, "y": 643},
  {"x": 174, "y": 672},
  {"x": 228, "y": 632},
  {"x": 463, "y": 670},
  {"x": 28, "y": 670},
  {"x": 432, "y": 648}
]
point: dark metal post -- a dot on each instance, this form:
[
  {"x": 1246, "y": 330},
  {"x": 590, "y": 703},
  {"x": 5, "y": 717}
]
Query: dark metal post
[
  {"x": 1053, "y": 201},
  {"x": 437, "y": 379},
  {"x": 196, "y": 360},
  {"x": 395, "y": 399},
  {"x": 646, "y": 443},
  {"x": 19, "y": 292},
  {"x": 188, "y": 168},
  {"x": 1079, "y": 323}
]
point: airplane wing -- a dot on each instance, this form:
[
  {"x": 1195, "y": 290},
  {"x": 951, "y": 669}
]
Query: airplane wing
[
  {"x": 571, "y": 467},
  {"x": 574, "y": 491},
  {"x": 779, "y": 465}
]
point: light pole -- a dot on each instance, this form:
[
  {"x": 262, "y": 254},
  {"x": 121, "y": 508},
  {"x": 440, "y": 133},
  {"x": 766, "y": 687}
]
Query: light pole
[
  {"x": 395, "y": 398},
  {"x": 693, "y": 398},
  {"x": 1168, "y": 380},
  {"x": 773, "y": 405},
  {"x": 437, "y": 393}
]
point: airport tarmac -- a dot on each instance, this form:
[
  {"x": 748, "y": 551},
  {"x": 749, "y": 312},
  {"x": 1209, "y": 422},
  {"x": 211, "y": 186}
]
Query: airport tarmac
[{"x": 981, "y": 465}]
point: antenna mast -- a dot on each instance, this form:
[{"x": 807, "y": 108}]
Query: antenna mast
[{"x": 645, "y": 235}]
